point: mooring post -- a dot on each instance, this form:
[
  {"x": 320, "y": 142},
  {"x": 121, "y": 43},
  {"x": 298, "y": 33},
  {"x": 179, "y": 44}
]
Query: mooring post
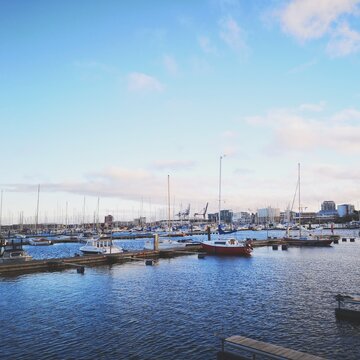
[
  {"x": 156, "y": 242},
  {"x": 208, "y": 233}
]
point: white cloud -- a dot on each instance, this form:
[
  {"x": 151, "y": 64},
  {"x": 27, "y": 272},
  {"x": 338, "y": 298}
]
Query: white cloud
[
  {"x": 347, "y": 115},
  {"x": 171, "y": 65},
  {"x": 138, "y": 82},
  {"x": 309, "y": 19},
  {"x": 232, "y": 34},
  {"x": 344, "y": 41},
  {"x": 292, "y": 131}
]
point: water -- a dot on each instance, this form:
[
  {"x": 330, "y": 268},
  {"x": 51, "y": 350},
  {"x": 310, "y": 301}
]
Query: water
[{"x": 172, "y": 310}]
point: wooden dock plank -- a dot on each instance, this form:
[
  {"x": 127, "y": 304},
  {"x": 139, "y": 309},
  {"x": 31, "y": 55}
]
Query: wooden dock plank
[{"x": 269, "y": 349}]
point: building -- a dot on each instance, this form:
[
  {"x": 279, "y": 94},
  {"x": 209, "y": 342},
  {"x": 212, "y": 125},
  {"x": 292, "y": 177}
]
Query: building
[
  {"x": 328, "y": 206},
  {"x": 345, "y": 210},
  {"x": 268, "y": 215},
  {"x": 141, "y": 221},
  {"x": 108, "y": 220},
  {"x": 242, "y": 218},
  {"x": 226, "y": 217},
  {"x": 213, "y": 218},
  {"x": 328, "y": 211}
]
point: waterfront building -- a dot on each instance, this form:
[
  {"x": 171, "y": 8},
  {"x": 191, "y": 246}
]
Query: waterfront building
[
  {"x": 108, "y": 220},
  {"x": 141, "y": 221},
  {"x": 328, "y": 211},
  {"x": 242, "y": 218},
  {"x": 268, "y": 215},
  {"x": 345, "y": 210},
  {"x": 328, "y": 205},
  {"x": 226, "y": 217}
]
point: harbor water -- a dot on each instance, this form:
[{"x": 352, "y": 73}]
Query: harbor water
[{"x": 173, "y": 310}]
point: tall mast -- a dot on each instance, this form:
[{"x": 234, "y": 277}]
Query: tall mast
[
  {"x": 1, "y": 205},
  {"x": 66, "y": 216},
  {"x": 83, "y": 214},
  {"x": 97, "y": 214},
  {"x": 169, "y": 202},
  {"x": 220, "y": 191},
  {"x": 299, "y": 200},
  {"x": 37, "y": 209}
]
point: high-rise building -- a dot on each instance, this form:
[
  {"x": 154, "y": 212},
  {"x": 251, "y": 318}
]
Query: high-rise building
[
  {"x": 345, "y": 210},
  {"x": 328, "y": 205}
]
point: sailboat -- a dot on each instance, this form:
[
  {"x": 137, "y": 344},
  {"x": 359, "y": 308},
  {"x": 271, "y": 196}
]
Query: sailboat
[
  {"x": 230, "y": 246},
  {"x": 307, "y": 240}
]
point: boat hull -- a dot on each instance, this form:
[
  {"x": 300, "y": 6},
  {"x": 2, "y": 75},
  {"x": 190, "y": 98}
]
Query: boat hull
[{"x": 227, "y": 250}]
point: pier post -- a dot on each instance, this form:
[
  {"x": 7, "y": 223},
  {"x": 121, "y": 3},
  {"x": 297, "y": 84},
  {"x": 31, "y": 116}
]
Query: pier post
[{"x": 156, "y": 242}]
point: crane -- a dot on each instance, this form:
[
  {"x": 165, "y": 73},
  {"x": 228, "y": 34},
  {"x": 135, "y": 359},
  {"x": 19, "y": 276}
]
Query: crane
[{"x": 203, "y": 214}]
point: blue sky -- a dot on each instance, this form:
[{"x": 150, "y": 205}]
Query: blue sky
[{"x": 106, "y": 98}]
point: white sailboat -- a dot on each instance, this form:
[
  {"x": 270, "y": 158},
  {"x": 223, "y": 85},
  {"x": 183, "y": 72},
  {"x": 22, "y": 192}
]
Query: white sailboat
[{"x": 227, "y": 246}]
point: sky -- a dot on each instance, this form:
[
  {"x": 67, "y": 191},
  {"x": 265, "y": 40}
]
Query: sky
[{"x": 105, "y": 99}]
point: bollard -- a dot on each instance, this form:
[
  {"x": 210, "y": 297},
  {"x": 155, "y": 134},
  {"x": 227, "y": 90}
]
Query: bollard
[
  {"x": 343, "y": 239},
  {"x": 284, "y": 247},
  {"x": 149, "y": 262},
  {"x": 336, "y": 241},
  {"x": 208, "y": 233},
  {"x": 156, "y": 242},
  {"x": 274, "y": 247},
  {"x": 352, "y": 239},
  {"x": 80, "y": 269},
  {"x": 201, "y": 256}
]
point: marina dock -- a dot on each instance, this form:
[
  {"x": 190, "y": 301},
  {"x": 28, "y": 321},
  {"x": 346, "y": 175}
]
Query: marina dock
[
  {"x": 56, "y": 264},
  {"x": 237, "y": 347}
]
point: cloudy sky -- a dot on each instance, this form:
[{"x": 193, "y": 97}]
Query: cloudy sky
[{"x": 106, "y": 98}]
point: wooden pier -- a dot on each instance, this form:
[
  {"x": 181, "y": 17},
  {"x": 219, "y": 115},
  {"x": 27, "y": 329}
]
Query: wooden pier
[
  {"x": 234, "y": 348},
  {"x": 90, "y": 260}
]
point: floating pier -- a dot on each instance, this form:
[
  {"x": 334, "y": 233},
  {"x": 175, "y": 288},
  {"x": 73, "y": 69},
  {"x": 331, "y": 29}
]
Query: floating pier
[
  {"x": 80, "y": 262},
  {"x": 236, "y": 347}
]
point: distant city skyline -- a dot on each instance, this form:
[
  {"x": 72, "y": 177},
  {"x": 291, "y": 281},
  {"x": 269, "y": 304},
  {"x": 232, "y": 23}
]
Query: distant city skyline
[{"x": 105, "y": 99}]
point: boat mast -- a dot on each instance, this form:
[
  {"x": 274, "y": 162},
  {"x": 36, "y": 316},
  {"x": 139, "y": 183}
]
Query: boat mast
[
  {"x": 220, "y": 191},
  {"x": 83, "y": 215},
  {"x": 169, "y": 202},
  {"x": 37, "y": 209},
  {"x": 299, "y": 200}
]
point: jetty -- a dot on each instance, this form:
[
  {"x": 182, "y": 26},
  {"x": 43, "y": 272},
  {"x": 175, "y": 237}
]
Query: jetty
[
  {"x": 58, "y": 264},
  {"x": 238, "y": 347}
]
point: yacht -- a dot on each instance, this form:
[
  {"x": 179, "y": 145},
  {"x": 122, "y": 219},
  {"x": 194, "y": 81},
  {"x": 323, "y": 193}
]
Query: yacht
[
  {"x": 12, "y": 253},
  {"x": 100, "y": 246}
]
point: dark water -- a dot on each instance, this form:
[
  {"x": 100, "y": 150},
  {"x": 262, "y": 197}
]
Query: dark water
[{"x": 173, "y": 309}]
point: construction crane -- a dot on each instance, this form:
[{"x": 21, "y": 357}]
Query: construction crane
[
  {"x": 203, "y": 214},
  {"x": 184, "y": 214}
]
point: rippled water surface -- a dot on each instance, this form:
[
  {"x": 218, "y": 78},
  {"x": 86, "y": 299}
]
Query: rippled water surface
[{"x": 172, "y": 310}]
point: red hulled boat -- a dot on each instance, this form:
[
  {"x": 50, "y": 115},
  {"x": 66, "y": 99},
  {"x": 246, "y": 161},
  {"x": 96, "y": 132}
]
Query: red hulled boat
[{"x": 227, "y": 247}]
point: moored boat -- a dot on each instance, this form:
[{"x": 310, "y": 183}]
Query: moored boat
[
  {"x": 309, "y": 241},
  {"x": 12, "y": 253},
  {"x": 39, "y": 241},
  {"x": 352, "y": 312},
  {"x": 100, "y": 246},
  {"x": 227, "y": 247}
]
